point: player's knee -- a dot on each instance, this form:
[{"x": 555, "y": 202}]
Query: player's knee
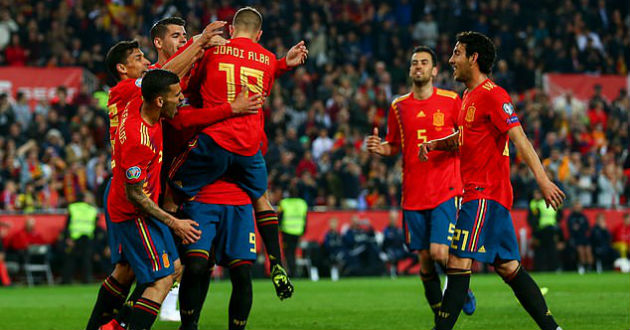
[
  {"x": 425, "y": 260},
  {"x": 123, "y": 273},
  {"x": 506, "y": 269},
  {"x": 262, "y": 204},
  {"x": 440, "y": 255},
  {"x": 164, "y": 284},
  {"x": 177, "y": 270},
  {"x": 241, "y": 277},
  {"x": 197, "y": 266}
]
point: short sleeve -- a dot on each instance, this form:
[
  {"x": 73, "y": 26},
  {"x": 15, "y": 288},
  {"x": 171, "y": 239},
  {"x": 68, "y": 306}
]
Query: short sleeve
[
  {"x": 501, "y": 110},
  {"x": 393, "y": 128},
  {"x": 134, "y": 160}
]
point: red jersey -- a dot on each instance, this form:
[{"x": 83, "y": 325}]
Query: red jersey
[
  {"x": 119, "y": 95},
  {"x": 486, "y": 116},
  {"x": 410, "y": 122},
  {"x": 224, "y": 192},
  {"x": 138, "y": 158},
  {"x": 221, "y": 74}
]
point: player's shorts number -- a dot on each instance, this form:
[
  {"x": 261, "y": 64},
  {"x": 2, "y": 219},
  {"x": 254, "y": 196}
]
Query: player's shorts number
[
  {"x": 230, "y": 76},
  {"x": 460, "y": 234},
  {"x": 451, "y": 230},
  {"x": 252, "y": 241}
]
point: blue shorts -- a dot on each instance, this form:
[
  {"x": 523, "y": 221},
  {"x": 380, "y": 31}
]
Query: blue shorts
[
  {"x": 485, "y": 232},
  {"x": 226, "y": 230},
  {"x": 430, "y": 226},
  {"x": 204, "y": 161},
  {"x": 149, "y": 247},
  {"x": 112, "y": 238}
]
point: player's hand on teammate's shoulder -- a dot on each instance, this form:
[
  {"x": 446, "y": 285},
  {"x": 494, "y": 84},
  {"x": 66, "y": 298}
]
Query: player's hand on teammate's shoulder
[
  {"x": 281, "y": 282},
  {"x": 297, "y": 54},
  {"x": 186, "y": 229},
  {"x": 552, "y": 194},
  {"x": 373, "y": 143},
  {"x": 211, "y": 35},
  {"x": 247, "y": 103}
]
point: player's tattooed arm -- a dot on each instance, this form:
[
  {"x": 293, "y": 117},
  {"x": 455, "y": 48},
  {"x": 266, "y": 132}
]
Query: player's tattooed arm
[{"x": 185, "y": 229}]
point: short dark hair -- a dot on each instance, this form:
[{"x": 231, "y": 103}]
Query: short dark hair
[
  {"x": 118, "y": 55},
  {"x": 248, "y": 18},
  {"x": 482, "y": 45},
  {"x": 158, "y": 30},
  {"x": 426, "y": 49},
  {"x": 157, "y": 82}
]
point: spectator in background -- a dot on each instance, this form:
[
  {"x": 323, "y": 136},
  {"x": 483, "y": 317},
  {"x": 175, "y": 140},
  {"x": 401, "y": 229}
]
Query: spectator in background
[
  {"x": 9, "y": 196},
  {"x": 18, "y": 243},
  {"x": 579, "y": 237},
  {"x": 610, "y": 187},
  {"x": 15, "y": 54},
  {"x": 7, "y": 27},
  {"x": 585, "y": 186},
  {"x": 332, "y": 248},
  {"x": 545, "y": 234},
  {"x": 322, "y": 144},
  {"x": 5, "y": 280},
  {"x": 394, "y": 245},
  {"x": 22, "y": 110},
  {"x": 621, "y": 237},
  {"x": 602, "y": 244},
  {"x": 78, "y": 237},
  {"x": 7, "y": 116},
  {"x": 292, "y": 215}
]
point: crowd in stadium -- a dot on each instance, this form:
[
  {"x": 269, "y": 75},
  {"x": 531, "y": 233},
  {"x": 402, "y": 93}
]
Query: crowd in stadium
[{"x": 318, "y": 116}]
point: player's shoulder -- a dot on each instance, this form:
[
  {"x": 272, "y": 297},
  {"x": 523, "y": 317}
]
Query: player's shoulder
[
  {"x": 492, "y": 90},
  {"x": 445, "y": 93},
  {"x": 397, "y": 101}
]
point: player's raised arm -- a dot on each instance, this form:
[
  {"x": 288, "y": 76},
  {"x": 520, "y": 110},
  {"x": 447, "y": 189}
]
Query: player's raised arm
[
  {"x": 181, "y": 62},
  {"x": 553, "y": 195}
]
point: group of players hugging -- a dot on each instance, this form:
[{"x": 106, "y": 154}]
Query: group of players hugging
[
  {"x": 188, "y": 171},
  {"x": 190, "y": 180}
]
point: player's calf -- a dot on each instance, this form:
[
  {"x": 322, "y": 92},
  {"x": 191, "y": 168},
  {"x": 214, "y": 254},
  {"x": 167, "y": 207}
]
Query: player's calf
[
  {"x": 527, "y": 292},
  {"x": 241, "y": 298}
]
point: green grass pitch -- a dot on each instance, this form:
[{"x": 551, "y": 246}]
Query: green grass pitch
[{"x": 578, "y": 302}]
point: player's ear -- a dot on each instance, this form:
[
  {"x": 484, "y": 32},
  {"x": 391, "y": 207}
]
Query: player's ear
[
  {"x": 159, "y": 101},
  {"x": 258, "y": 35},
  {"x": 231, "y": 30},
  {"x": 473, "y": 58},
  {"x": 434, "y": 71},
  {"x": 121, "y": 68},
  {"x": 157, "y": 43}
]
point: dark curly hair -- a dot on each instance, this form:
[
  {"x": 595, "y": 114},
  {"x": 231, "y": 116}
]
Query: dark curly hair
[{"x": 479, "y": 43}]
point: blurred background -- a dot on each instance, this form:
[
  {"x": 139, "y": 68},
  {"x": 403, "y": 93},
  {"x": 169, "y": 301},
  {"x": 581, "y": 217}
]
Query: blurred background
[{"x": 565, "y": 64}]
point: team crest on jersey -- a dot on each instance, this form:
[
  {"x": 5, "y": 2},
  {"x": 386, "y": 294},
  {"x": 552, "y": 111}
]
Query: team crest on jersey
[
  {"x": 470, "y": 114},
  {"x": 438, "y": 120},
  {"x": 508, "y": 108},
  {"x": 133, "y": 173},
  {"x": 165, "y": 260}
]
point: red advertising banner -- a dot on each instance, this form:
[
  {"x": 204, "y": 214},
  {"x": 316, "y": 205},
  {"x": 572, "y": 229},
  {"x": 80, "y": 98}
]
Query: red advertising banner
[
  {"x": 39, "y": 83},
  {"x": 581, "y": 85},
  {"x": 50, "y": 226}
]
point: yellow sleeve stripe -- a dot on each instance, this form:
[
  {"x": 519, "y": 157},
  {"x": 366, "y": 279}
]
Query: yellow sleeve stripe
[
  {"x": 400, "y": 98},
  {"x": 446, "y": 93}
]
